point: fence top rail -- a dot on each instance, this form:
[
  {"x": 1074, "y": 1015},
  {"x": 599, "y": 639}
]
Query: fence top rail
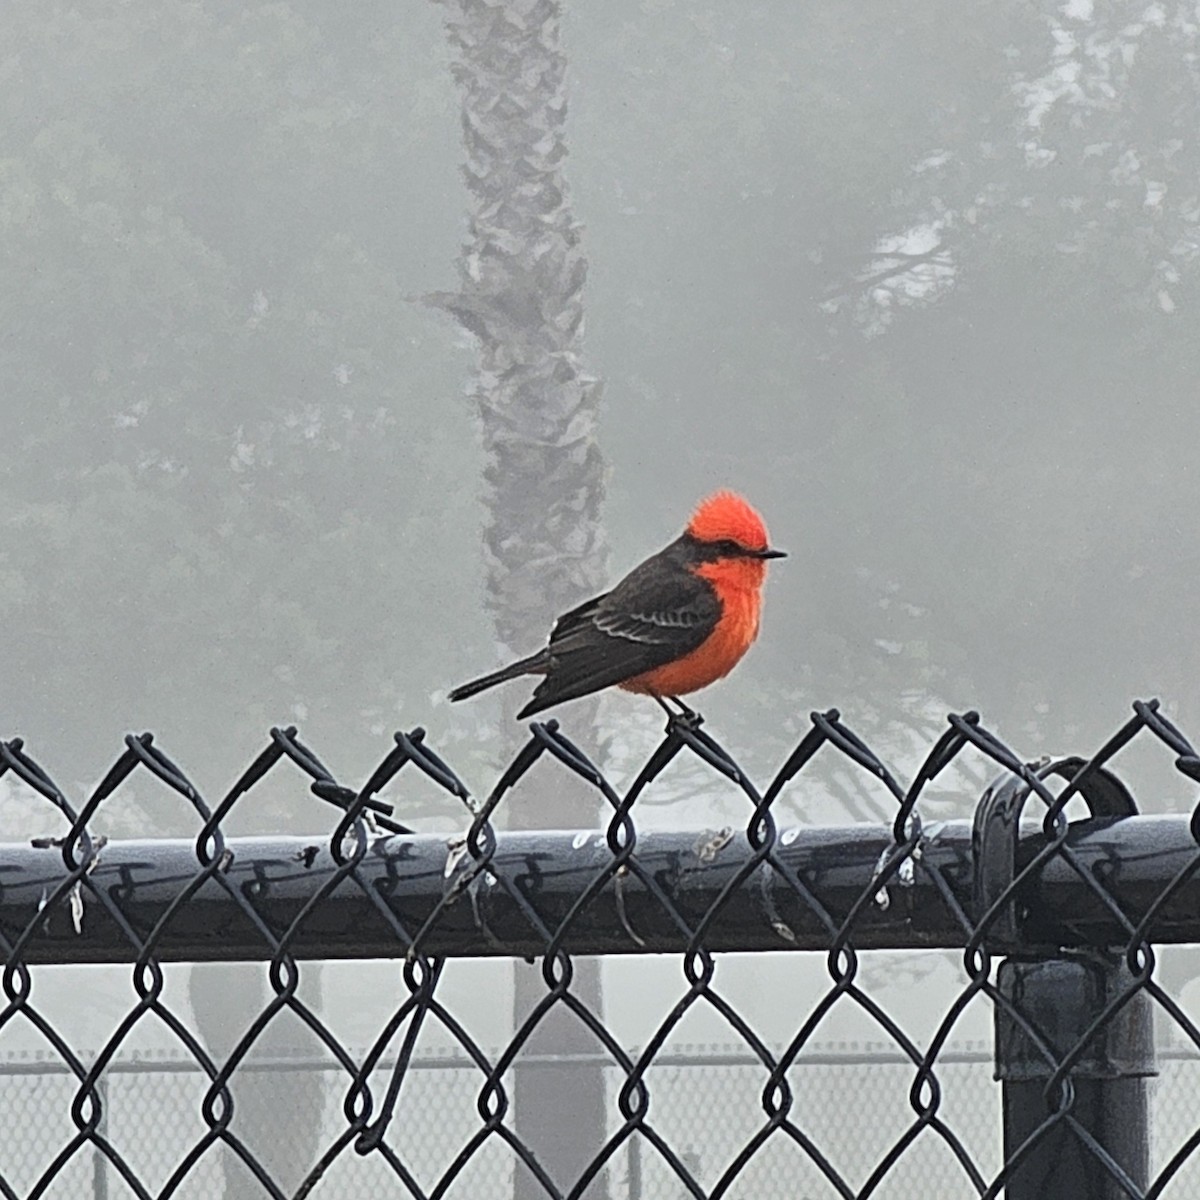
[
  {"x": 822, "y": 1054},
  {"x": 291, "y": 895}
]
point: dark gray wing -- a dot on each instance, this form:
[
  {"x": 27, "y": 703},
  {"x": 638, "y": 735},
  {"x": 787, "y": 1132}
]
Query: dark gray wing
[{"x": 659, "y": 612}]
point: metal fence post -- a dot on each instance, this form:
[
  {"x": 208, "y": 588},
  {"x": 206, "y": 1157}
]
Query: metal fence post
[
  {"x": 1074, "y": 1032},
  {"x": 1088, "y": 1139}
]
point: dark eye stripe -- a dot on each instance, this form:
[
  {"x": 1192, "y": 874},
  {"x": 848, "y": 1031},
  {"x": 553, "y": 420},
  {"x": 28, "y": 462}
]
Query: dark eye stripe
[{"x": 725, "y": 548}]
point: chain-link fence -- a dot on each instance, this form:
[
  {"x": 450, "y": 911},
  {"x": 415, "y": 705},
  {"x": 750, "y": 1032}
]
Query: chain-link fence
[
  {"x": 150, "y": 1104},
  {"x": 1054, "y": 923}
]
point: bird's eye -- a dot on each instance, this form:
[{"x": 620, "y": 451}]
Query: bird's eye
[{"x": 730, "y": 548}]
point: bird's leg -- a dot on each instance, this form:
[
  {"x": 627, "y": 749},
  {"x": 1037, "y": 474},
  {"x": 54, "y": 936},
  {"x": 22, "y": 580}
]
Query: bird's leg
[{"x": 686, "y": 716}]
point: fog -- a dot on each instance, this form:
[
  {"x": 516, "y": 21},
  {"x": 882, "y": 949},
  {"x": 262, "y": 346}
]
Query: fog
[{"x": 921, "y": 282}]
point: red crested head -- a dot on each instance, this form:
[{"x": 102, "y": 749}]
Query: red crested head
[{"x": 726, "y": 517}]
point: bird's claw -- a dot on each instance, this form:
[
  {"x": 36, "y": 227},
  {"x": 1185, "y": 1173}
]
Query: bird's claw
[{"x": 688, "y": 719}]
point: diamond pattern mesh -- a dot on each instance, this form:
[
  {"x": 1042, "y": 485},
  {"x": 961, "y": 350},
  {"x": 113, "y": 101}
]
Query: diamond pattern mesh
[{"x": 234, "y": 1115}]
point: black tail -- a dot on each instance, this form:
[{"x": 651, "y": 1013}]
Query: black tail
[{"x": 535, "y": 664}]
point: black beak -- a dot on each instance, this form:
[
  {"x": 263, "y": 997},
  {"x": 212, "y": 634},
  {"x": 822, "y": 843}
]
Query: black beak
[{"x": 770, "y": 554}]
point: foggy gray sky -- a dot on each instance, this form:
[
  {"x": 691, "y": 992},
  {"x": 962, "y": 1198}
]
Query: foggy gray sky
[{"x": 243, "y": 483}]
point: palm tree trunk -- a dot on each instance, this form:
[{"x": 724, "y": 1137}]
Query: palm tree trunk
[{"x": 520, "y": 293}]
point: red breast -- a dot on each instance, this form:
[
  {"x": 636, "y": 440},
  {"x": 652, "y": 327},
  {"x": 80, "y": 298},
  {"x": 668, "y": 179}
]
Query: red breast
[{"x": 732, "y": 636}]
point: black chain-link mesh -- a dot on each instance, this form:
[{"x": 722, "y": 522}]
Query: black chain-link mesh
[{"x": 769, "y": 1120}]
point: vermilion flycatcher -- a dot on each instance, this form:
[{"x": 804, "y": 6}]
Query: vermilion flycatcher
[{"x": 673, "y": 625}]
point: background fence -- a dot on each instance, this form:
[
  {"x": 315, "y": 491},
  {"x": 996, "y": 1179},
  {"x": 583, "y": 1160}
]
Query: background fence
[
  {"x": 703, "y": 1096},
  {"x": 1056, "y": 924}
]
